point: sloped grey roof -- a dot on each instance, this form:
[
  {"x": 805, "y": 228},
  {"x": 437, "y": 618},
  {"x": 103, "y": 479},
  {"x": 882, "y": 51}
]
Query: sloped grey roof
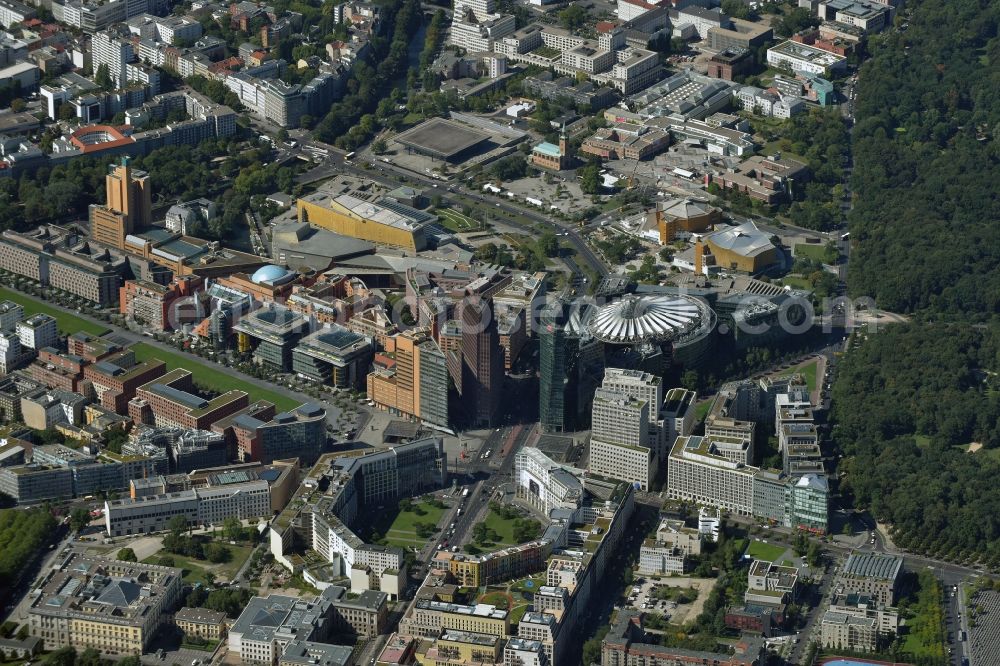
[{"x": 120, "y": 593}]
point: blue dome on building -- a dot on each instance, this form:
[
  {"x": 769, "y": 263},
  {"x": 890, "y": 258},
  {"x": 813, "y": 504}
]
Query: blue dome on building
[{"x": 271, "y": 274}]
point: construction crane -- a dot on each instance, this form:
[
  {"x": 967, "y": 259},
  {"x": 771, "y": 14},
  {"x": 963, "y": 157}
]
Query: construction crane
[{"x": 631, "y": 178}]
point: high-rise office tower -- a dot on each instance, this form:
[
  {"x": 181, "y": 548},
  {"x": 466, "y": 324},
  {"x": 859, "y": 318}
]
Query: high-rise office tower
[
  {"x": 417, "y": 385},
  {"x": 128, "y": 207},
  {"x": 644, "y": 386},
  {"x": 570, "y": 362},
  {"x": 556, "y": 358},
  {"x": 619, "y": 441},
  {"x": 433, "y": 384},
  {"x": 482, "y": 362}
]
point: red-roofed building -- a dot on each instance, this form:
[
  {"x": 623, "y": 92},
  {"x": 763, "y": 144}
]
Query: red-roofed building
[
  {"x": 233, "y": 64},
  {"x": 812, "y": 38},
  {"x": 258, "y": 58},
  {"x": 93, "y": 139},
  {"x": 384, "y": 362}
]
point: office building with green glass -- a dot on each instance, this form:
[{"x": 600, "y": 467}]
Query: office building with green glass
[
  {"x": 272, "y": 333},
  {"x": 333, "y": 355},
  {"x": 570, "y": 363}
]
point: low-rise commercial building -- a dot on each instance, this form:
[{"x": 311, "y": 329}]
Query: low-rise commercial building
[
  {"x": 111, "y": 606},
  {"x": 669, "y": 550},
  {"x": 61, "y": 258},
  {"x": 168, "y": 402},
  {"x": 856, "y": 622},
  {"x": 729, "y": 62},
  {"x": 429, "y": 617},
  {"x": 864, "y": 14},
  {"x": 841, "y": 631},
  {"x": 199, "y": 506},
  {"x": 630, "y": 142},
  {"x": 333, "y": 355},
  {"x": 13, "y": 388},
  {"x": 875, "y": 575},
  {"x": 496, "y": 566},
  {"x": 37, "y": 331},
  {"x": 464, "y": 647},
  {"x": 201, "y": 622},
  {"x": 300, "y": 433},
  {"x": 196, "y": 449},
  {"x": 357, "y": 483},
  {"x": 117, "y": 378},
  {"x": 272, "y": 332},
  {"x": 739, "y": 34},
  {"x": 152, "y": 305},
  {"x": 45, "y": 411},
  {"x": 545, "y": 85},
  {"x": 793, "y": 57},
  {"x": 627, "y": 643},
  {"x": 270, "y": 625},
  {"x": 29, "y": 484},
  {"x": 771, "y": 585}
]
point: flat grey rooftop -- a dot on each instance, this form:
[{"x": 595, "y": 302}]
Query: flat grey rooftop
[{"x": 441, "y": 138}]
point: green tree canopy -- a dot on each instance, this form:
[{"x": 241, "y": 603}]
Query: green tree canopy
[{"x": 126, "y": 555}]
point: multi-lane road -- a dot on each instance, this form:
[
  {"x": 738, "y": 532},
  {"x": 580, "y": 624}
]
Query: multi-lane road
[{"x": 482, "y": 476}]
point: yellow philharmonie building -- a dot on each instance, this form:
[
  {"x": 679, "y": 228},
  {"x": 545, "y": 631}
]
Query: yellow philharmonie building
[{"x": 380, "y": 220}]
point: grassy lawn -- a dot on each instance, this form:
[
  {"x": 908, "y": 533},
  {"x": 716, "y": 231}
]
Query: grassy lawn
[
  {"x": 403, "y": 532},
  {"x": 194, "y": 570},
  {"x": 682, "y": 595},
  {"x": 701, "y": 410},
  {"x": 765, "y": 551},
  {"x": 518, "y": 613},
  {"x": 503, "y": 528},
  {"x": 240, "y": 554},
  {"x": 814, "y": 251},
  {"x": 990, "y": 453},
  {"x": 796, "y": 282},
  {"x": 454, "y": 221},
  {"x": 207, "y": 647},
  {"x": 808, "y": 372},
  {"x": 221, "y": 379},
  {"x": 498, "y": 599},
  {"x": 67, "y": 323}
]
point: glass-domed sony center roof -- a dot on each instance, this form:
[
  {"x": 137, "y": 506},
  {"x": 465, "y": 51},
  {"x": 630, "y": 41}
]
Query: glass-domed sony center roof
[{"x": 635, "y": 319}]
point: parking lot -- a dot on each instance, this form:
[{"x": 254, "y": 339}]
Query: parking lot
[{"x": 641, "y": 597}]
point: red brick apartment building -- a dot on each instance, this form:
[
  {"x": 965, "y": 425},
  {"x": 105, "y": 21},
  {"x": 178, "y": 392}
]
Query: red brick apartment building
[
  {"x": 169, "y": 401},
  {"x": 117, "y": 378}
]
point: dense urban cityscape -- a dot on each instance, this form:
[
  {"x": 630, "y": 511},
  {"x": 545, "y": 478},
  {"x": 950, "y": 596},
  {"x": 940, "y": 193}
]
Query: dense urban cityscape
[{"x": 499, "y": 332}]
